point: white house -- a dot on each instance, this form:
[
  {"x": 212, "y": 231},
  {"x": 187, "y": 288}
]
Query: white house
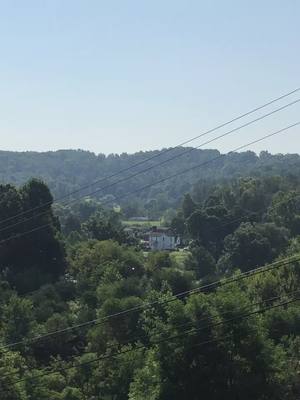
[{"x": 162, "y": 239}]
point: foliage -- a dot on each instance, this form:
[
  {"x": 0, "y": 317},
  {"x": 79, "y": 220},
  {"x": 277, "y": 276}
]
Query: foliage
[
  {"x": 66, "y": 171},
  {"x": 144, "y": 330},
  {"x": 38, "y": 257}
]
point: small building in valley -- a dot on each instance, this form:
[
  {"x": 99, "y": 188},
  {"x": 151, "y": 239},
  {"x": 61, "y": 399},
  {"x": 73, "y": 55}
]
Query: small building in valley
[{"x": 162, "y": 239}]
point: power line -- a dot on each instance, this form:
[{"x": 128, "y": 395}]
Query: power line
[
  {"x": 99, "y": 321},
  {"x": 178, "y": 326},
  {"x": 176, "y": 156},
  {"x": 140, "y": 347},
  {"x": 231, "y": 222},
  {"x": 216, "y": 340},
  {"x": 211, "y": 229},
  {"x": 211, "y": 160},
  {"x": 167, "y": 178},
  {"x": 152, "y": 157}
]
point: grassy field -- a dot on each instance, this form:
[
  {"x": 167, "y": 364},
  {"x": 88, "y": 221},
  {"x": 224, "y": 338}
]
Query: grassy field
[
  {"x": 141, "y": 223},
  {"x": 179, "y": 257}
]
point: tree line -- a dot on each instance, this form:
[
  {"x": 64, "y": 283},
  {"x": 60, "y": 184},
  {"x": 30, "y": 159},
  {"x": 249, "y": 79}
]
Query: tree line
[{"x": 66, "y": 171}]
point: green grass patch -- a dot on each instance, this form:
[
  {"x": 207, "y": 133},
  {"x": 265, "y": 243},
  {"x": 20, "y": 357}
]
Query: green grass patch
[
  {"x": 178, "y": 258},
  {"x": 141, "y": 223}
]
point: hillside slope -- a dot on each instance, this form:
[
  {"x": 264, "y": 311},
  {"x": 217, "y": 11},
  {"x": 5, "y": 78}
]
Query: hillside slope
[{"x": 67, "y": 170}]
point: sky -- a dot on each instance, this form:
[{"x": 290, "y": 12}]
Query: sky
[{"x": 124, "y": 76}]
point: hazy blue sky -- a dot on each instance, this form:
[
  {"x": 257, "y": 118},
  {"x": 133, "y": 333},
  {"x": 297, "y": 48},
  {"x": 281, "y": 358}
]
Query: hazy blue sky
[{"x": 114, "y": 76}]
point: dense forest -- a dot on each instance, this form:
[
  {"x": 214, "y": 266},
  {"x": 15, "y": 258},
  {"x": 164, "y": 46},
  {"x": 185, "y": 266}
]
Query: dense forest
[
  {"x": 66, "y": 171},
  {"x": 86, "y": 314}
]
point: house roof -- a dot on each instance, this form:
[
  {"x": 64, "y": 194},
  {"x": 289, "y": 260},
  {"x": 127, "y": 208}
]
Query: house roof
[{"x": 167, "y": 233}]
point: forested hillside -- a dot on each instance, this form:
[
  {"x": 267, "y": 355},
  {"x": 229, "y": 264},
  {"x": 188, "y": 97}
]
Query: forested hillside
[
  {"x": 66, "y": 170},
  {"x": 85, "y": 314}
]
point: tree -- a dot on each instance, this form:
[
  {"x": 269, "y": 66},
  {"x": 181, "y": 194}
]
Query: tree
[
  {"x": 178, "y": 224},
  {"x": 36, "y": 194},
  {"x": 27, "y": 261},
  {"x": 10, "y": 205},
  {"x": 285, "y": 211},
  {"x": 147, "y": 380},
  {"x": 102, "y": 226},
  {"x": 209, "y": 226},
  {"x": 188, "y": 206},
  {"x": 253, "y": 245},
  {"x": 10, "y": 365},
  {"x": 17, "y": 316},
  {"x": 201, "y": 261}
]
